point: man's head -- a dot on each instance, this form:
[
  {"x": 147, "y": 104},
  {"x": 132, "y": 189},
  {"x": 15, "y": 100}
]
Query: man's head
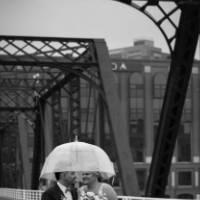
[{"x": 66, "y": 178}]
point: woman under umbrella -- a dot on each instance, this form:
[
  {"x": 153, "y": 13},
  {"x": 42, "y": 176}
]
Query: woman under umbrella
[{"x": 94, "y": 189}]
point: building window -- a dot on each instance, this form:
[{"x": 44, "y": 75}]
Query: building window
[
  {"x": 137, "y": 140},
  {"x": 137, "y": 90},
  {"x": 156, "y": 115},
  {"x": 136, "y": 96},
  {"x": 159, "y": 85},
  {"x": 158, "y": 94},
  {"x": 136, "y": 114},
  {"x": 159, "y": 91},
  {"x": 141, "y": 176},
  {"x": 185, "y": 178},
  {"x": 184, "y": 136},
  {"x": 184, "y": 143}
]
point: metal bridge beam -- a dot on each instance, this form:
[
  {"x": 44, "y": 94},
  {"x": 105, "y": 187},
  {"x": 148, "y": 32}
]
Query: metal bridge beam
[
  {"x": 1, "y": 152},
  {"x": 118, "y": 124},
  {"x": 48, "y": 128},
  {"x": 24, "y": 152},
  {"x": 56, "y": 111},
  {"x": 75, "y": 110},
  {"x": 37, "y": 146},
  {"x": 179, "y": 75}
]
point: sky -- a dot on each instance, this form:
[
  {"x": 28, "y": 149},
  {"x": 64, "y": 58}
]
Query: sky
[{"x": 119, "y": 24}]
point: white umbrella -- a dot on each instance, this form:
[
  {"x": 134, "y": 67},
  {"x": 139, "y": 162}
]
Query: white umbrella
[{"x": 78, "y": 157}]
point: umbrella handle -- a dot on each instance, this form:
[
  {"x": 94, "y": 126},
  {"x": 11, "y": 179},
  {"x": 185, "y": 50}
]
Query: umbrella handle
[{"x": 76, "y": 138}]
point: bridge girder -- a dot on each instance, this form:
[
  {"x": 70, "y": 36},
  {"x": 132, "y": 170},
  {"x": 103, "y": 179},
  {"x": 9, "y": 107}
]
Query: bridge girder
[{"x": 64, "y": 60}]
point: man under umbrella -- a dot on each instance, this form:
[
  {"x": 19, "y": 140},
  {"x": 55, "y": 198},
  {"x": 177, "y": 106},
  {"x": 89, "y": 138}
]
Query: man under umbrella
[
  {"x": 63, "y": 189},
  {"x": 72, "y": 159}
]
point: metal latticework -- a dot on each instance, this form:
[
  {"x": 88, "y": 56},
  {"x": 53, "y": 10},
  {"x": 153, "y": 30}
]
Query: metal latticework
[
  {"x": 45, "y": 66},
  {"x": 26, "y": 63},
  {"x": 166, "y": 18}
]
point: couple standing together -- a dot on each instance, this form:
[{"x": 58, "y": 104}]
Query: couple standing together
[{"x": 92, "y": 188}]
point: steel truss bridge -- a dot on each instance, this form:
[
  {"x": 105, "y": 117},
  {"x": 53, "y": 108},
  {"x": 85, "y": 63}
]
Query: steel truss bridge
[{"x": 36, "y": 72}]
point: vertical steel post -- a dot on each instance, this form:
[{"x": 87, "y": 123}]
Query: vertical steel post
[
  {"x": 178, "y": 80},
  {"x": 37, "y": 146},
  {"x": 57, "y": 115},
  {"x": 1, "y": 150},
  {"x": 75, "y": 111}
]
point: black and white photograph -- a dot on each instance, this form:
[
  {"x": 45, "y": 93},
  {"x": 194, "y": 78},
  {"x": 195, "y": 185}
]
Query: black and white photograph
[{"x": 99, "y": 99}]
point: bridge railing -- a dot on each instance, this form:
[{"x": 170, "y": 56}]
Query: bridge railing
[{"x": 21, "y": 194}]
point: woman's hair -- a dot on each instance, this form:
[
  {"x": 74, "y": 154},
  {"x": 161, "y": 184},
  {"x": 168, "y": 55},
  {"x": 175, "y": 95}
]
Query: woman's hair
[{"x": 99, "y": 177}]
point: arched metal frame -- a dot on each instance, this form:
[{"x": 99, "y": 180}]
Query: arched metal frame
[
  {"x": 182, "y": 45},
  {"x": 164, "y": 16}
]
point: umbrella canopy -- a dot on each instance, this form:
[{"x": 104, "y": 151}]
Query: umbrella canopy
[{"x": 78, "y": 157}]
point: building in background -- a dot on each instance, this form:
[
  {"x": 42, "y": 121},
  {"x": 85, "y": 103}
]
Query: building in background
[
  {"x": 141, "y": 72},
  {"x": 141, "y": 49}
]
